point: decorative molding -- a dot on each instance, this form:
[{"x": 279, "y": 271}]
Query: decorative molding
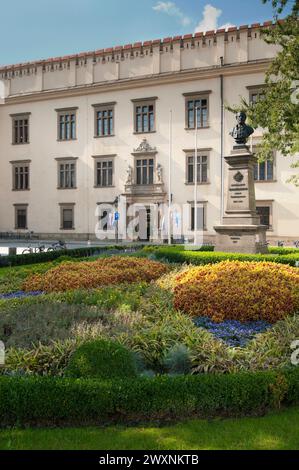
[
  {"x": 62, "y": 159},
  {"x": 62, "y": 110},
  {"x": 113, "y": 155},
  {"x": 197, "y": 93},
  {"x": 137, "y": 100},
  {"x": 144, "y": 148},
  {"x": 104, "y": 105}
]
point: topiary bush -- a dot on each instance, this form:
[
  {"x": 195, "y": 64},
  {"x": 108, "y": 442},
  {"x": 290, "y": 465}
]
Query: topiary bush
[
  {"x": 91, "y": 274},
  {"x": 101, "y": 359},
  {"x": 244, "y": 291}
]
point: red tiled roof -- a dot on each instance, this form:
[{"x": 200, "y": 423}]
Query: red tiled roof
[{"x": 136, "y": 45}]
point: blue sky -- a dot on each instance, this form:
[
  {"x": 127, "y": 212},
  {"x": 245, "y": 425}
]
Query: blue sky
[{"x": 35, "y": 29}]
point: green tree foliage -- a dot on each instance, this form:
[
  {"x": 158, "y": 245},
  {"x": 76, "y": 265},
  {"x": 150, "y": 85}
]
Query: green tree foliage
[{"x": 277, "y": 111}]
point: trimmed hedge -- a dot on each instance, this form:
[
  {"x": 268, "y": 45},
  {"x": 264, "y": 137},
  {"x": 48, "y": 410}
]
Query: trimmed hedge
[
  {"x": 101, "y": 359},
  {"x": 34, "y": 258},
  {"x": 200, "y": 258},
  {"x": 56, "y": 401}
]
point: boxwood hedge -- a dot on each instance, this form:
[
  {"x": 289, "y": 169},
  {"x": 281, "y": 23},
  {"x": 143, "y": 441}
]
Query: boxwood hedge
[
  {"x": 175, "y": 255},
  {"x": 55, "y": 401}
]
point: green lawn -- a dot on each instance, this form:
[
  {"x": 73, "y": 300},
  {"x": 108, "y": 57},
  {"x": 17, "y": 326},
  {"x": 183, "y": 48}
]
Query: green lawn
[{"x": 279, "y": 431}]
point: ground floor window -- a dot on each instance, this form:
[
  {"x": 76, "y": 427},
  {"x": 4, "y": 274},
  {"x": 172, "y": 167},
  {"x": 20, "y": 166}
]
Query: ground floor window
[
  {"x": 201, "y": 216},
  {"x": 20, "y": 217},
  {"x": 264, "y": 210},
  {"x": 67, "y": 216}
]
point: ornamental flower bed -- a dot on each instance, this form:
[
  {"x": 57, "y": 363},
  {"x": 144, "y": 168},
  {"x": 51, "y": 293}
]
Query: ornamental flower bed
[
  {"x": 233, "y": 332},
  {"x": 92, "y": 274},
  {"x": 234, "y": 290}
]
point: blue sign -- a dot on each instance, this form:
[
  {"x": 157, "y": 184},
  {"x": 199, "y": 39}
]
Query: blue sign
[{"x": 116, "y": 216}]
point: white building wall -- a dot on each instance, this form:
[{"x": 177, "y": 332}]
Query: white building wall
[{"x": 165, "y": 70}]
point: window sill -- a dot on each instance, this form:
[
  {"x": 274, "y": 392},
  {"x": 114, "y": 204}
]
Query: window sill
[
  {"x": 265, "y": 181},
  {"x": 67, "y": 229},
  {"x": 198, "y": 184},
  {"x": 67, "y": 189},
  {"x": 199, "y": 128},
  {"x": 67, "y": 140},
  {"x": 20, "y": 143},
  {"x": 18, "y": 228},
  {"x": 20, "y": 190},
  {"x": 103, "y": 136},
  {"x": 103, "y": 187},
  {"x": 144, "y": 132}
]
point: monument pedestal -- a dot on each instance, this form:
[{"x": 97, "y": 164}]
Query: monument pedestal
[{"x": 241, "y": 231}]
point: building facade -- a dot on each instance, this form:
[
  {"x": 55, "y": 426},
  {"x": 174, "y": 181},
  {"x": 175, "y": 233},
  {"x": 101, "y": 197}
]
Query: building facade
[{"x": 83, "y": 132}]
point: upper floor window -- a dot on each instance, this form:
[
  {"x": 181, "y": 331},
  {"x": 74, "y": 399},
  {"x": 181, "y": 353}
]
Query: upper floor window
[
  {"x": 67, "y": 173},
  {"x": 104, "y": 120},
  {"x": 21, "y": 216},
  {"x": 20, "y": 128},
  {"x": 202, "y": 167},
  {"x": 144, "y": 115},
  {"x": 144, "y": 171},
  {"x": 264, "y": 171},
  {"x": 256, "y": 93},
  {"x": 67, "y": 123},
  {"x": 197, "y": 110},
  {"x": 104, "y": 167},
  {"x": 20, "y": 175}
]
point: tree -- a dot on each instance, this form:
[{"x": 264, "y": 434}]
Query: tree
[{"x": 277, "y": 111}]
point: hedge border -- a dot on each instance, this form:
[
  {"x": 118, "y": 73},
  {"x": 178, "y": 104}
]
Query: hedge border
[
  {"x": 35, "y": 258},
  {"x": 56, "y": 401},
  {"x": 172, "y": 255}
]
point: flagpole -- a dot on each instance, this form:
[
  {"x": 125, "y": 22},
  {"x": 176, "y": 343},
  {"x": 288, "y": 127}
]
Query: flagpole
[
  {"x": 169, "y": 177},
  {"x": 195, "y": 178}
]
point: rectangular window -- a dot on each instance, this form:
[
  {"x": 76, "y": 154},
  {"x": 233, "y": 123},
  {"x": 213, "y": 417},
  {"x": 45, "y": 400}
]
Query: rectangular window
[
  {"x": 104, "y": 173},
  {"x": 104, "y": 120},
  {"x": 66, "y": 174},
  {"x": 264, "y": 210},
  {"x": 20, "y": 176},
  {"x": 201, "y": 217},
  {"x": 264, "y": 171},
  {"x": 20, "y": 217},
  {"x": 20, "y": 129},
  {"x": 202, "y": 169},
  {"x": 256, "y": 94},
  {"x": 67, "y": 124},
  {"x": 67, "y": 216},
  {"x": 197, "y": 110},
  {"x": 144, "y": 171},
  {"x": 144, "y": 116}
]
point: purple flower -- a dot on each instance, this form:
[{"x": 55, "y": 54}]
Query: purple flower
[
  {"x": 233, "y": 332},
  {"x": 20, "y": 295}
]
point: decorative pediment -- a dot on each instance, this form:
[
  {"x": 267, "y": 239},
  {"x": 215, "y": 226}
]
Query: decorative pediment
[{"x": 145, "y": 147}]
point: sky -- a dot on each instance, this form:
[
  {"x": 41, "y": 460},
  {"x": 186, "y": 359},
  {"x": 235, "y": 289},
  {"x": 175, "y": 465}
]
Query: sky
[{"x": 38, "y": 29}]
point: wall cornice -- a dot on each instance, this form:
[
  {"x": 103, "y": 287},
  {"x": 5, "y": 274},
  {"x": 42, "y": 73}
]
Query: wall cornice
[{"x": 259, "y": 66}]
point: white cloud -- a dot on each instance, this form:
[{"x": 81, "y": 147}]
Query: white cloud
[
  {"x": 171, "y": 9},
  {"x": 210, "y": 19}
]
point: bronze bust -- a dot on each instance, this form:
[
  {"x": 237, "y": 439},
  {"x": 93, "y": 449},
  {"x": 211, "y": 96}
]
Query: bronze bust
[{"x": 241, "y": 131}]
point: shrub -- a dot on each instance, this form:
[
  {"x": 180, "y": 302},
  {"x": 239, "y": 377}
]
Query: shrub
[
  {"x": 101, "y": 359},
  {"x": 105, "y": 271},
  {"x": 177, "y": 360},
  {"x": 238, "y": 291},
  {"x": 201, "y": 258},
  {"x": 57, "y": 401}
]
